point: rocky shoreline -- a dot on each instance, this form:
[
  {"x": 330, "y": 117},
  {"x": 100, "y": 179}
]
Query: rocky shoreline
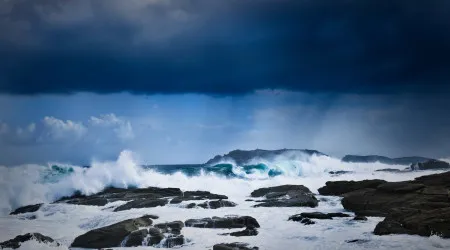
[{"x": 417, "y": 207}]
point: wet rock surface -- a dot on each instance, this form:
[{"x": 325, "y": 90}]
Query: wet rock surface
[
  {"x": 133, "y": 233},
  {"x": 342, "y": 187},
  {"x": 249, "y": 231},
  {"x": 416, "y": 222},
  {"x": 223, "y": 222},
  {"x": 306, "y": 218},
  {"x": 27, "y": 209},
  {"x": 418, "y": 207},
  {"x": 147, "y": 198},
  {"x": 285, "y": 196},
  {"x": 234, "y": 246},
  {"x": 18, "y": 240}
]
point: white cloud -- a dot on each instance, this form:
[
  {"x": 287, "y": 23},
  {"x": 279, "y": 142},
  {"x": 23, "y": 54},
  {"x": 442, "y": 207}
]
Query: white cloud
[
  {"x": 59, "y": 129},
  {"x": 122, "y": 128}
]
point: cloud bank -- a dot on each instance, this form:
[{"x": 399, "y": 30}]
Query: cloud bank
[{"x": 228, "y": 47}]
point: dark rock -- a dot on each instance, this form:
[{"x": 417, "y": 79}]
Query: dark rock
[
  {"x": 217, "y": 204},
  {"x": 360, "y": 218},
  {"x": 317, "y": 215},
  {"x": 142, "y": 204},
  {"x": 172, "y": 241},
  {"x": 171, "y": 227},
  {"x": 233, "y": 246},
  {"x": 340, "y": 172},
  {"x": 16, "y": 242},
  {"x": 112, "y": 235},
  {"x": 342, "y": 187},
  {"x": 27, "y": 209},
  {"x": 430, "y": 165},
  {"x": 226, "y": 222},
  {"x": 416, "y": 221},
  {"x": 389, "y": 170},
  {"x": 140, "y": 198},
  {"x": 279, "y": 189},
  {"x": 339, "y": 215},
  {"x": 191, "y": 205},
  {"x": 384, "y": 159},
  {"x": 249, "y": 231},
  {"x": 358, "y": 241},
  {"x": 379, "y": 201},
  {"x": 241, "y": 157},
  {"x": 136, "y": 238},
  {"x": 249, "y": 200},
  {"x": 286, "y": 196},
  {"x": 301, "y": 219},
  {"x": 202, "y": 195}
]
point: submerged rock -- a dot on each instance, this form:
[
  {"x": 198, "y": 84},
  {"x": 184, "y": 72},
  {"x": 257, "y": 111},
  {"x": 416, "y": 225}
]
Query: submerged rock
[
  {"x": 301, "y": 219},
  {"x": 340, "y": 172},
  {"x": 233, "y": 246},
  {"x": 342, "y": 187},
  {"x": 27, "y": 209},
  {"x": 249, "y": 231},
  {"x": 286, "y": 196},
  {"x": 18, "y": 240},
  {"x": 305, "y": 218},
  {"x": 225, "y": 222}
]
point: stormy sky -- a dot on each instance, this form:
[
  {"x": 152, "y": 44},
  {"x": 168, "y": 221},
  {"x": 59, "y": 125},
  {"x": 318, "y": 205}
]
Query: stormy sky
[{"x": 180, "y": 81}]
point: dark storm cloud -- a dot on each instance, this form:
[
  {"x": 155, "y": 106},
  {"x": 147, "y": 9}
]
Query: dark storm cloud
[{"x": 224, "y": 47}]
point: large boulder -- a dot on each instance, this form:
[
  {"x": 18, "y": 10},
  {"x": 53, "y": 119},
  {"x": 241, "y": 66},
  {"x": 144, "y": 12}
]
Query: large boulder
[
  {"x": 217, "y": 204},
  {"x": 286, "y": 196},
  {"x": 416, "y": 222},
  {"x": 112, "y": 235},
  {"x": 233, "y": 246},
  {"x": 18, "y": 240},
  {"x": 342, "y": 187},
  {"x": 379, "y": 201},
  {"x": 225, "y": 222},
  {"x": 27, "y": 209}
]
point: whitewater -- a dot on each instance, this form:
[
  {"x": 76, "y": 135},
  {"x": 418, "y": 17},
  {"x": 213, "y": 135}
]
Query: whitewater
[{"x": 32, "y": 184}]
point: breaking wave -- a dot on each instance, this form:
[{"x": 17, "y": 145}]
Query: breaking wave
[{"x": 31, "y": 184}]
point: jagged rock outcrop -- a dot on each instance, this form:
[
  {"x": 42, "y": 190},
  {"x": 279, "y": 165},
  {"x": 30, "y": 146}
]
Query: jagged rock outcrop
[
  {"x": 241, "y": 157},
  {"x": 285, "y": 196},
  {"x": 148, "y": 197},
  {"x": 18, "y": 240},
  {"x": 27, "y": 209},
  {"x": 420, "y": 206}
]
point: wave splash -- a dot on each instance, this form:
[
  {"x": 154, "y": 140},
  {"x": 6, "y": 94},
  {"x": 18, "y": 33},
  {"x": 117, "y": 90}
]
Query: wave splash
[{"x": 31, "y": 184}]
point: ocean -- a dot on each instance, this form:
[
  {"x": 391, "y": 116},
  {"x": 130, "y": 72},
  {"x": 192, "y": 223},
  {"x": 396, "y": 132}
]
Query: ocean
[{"x": 31, "y": 184}]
